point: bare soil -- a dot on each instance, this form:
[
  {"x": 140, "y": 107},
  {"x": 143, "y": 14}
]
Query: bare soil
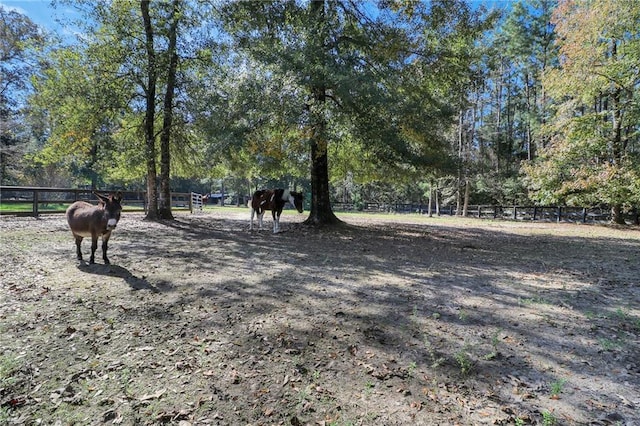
[{"x": 388, "y": 320}]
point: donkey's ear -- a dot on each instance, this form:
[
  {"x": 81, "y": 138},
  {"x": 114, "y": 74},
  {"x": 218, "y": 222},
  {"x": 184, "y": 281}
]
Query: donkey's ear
[{"x": 100, "y": 197}]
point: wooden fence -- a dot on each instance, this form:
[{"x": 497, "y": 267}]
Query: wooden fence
[
  {"x": 33, "y": 201},
  {"x": 532, "y": 213}
]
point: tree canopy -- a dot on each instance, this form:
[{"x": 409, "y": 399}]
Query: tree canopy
[
  {"x": 344, "y": 100},
  {"x": 593, "y": 155}
]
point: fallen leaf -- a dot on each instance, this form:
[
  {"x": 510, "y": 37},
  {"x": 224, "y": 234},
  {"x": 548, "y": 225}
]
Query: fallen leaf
[
  {"x": 155, "y": 395},
  {"x": 145, "y": 348}
]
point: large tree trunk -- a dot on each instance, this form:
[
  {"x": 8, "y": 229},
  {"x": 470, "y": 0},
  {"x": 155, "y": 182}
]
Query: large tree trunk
[
  {"x": 321, "y": 212},
  {"x": 149, "y": 121},
  {"x": 467, "y": 191},
  {"x": 617, "y": 216},
  {"x": 460, "y": 165},
  {"x": 164, "y": 211}
]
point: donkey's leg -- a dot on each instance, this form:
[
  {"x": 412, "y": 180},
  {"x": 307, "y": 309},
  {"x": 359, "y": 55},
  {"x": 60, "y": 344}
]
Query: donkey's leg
[
  {"x": 260, "y": 216},
  {"x": 252, "y": 213},
  {"x": 78, "y": 249},
  {"x": 94, "y": 247},
  {"x": 105, "y": 240}
]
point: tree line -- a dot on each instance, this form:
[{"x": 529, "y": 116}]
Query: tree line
[{"x": 350, "y": 101}]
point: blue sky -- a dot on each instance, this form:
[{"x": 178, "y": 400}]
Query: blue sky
[
  {"x": 45, "y": 15},
  {"x": 42, "y": 13}
]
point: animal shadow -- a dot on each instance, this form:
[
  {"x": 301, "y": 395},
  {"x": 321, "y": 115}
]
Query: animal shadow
[{"x": 134, "y": 282}]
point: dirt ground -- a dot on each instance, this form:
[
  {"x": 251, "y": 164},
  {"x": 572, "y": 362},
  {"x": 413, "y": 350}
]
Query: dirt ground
[{"x": 391, "y": 320}]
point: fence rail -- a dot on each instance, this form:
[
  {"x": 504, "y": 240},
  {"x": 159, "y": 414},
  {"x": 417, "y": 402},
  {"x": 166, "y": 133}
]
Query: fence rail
[
  {"x": 33, "y": 201},
  {"x": 532, "y": 213}
]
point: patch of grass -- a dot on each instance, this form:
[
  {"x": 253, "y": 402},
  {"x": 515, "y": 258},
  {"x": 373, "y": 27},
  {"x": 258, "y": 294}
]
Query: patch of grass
[
  {"x": 463, "y": 315},
  {"x": 495, "y": 340},
  {"x": 368, "y": 387},
  {"x": 548, "y": 419},
  {"x": 411, "y": 369},
  {"x": 341, "y": 423},
  {"x": 557, "y": 387},
  {"x": 4, "y": 415},
  {"x": 609, "y": 344},
  {"x": 536, "y": 300},
  {"x": 621, "y": 314},
  {"x": 303, "y": 397},
  {"x": 8, "y": 367},
  {"x": 25, "y": 207},
  {"x": 435, "y": 360},
  {"x": 463, "y": 359}
]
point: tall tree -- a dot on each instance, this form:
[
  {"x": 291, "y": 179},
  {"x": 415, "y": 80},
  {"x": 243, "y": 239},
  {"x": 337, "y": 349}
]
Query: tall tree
[
  {"x": 136, "y": 46},
  {"x": 167, "y": 114},
  {"x": 19, "y": 39},
  {"x": 509, "y": 105},
  {"x": 150, "y": 113},
  {"x": 529, "y": 43},
  {"x": 317, "y": 43},
  {"x": 594, "y": 153},
  {"x": 377, "y": 76}
]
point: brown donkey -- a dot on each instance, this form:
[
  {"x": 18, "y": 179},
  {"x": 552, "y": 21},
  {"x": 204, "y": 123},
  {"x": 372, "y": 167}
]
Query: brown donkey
[{"x": 87, "y": 220}]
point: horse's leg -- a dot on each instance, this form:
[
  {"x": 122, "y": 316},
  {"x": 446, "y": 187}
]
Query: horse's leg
[
  {"x": 260, "y": 216},
  {"x": 276, "y": 220},
  {"x": 78, "y": 249},
  {"x": 252, "y": 213},
  {"x": 105, "y": 240},
  {"x": 94, "y": 247}
]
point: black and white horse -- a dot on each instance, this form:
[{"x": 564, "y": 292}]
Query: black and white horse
[{"x": 274, "y": 200}]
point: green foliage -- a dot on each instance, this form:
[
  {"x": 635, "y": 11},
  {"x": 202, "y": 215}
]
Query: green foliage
[
  {"x": 20, "y": 40},
  {"x": 400, "y": 95},
  {"x": 593, "y": 156},
  {"x": 372, "y": 86}
]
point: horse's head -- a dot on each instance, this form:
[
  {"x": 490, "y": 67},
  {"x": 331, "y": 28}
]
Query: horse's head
[
  {"x": 297, "y": 200},
  {"x": 112, "y": 208}
]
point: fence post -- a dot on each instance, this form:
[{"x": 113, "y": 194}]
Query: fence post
[
  {"x": 584, "y": 215},
  {"x": 479, "y": 212},
  {"x": 35, "y": 204},
  {"x": 559, "y": 213},
  {"x": 515, "y": 212}
]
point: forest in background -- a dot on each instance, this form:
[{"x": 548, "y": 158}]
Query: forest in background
[{"x": 388, "y": 101}]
